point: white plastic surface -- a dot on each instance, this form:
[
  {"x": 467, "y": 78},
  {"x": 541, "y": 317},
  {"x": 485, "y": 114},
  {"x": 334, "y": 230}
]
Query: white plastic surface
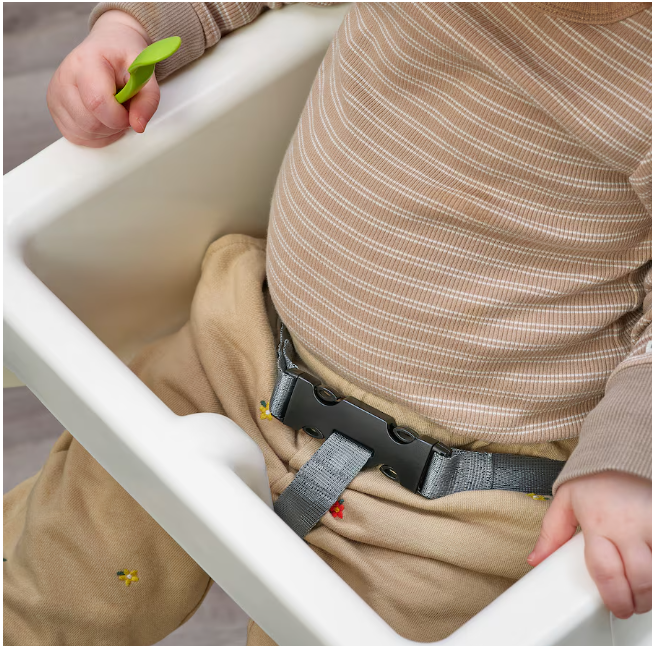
[{"x": 102, "y": 252}]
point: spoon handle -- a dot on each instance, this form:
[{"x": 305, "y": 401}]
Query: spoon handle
[{"x": 143, "y": 66}]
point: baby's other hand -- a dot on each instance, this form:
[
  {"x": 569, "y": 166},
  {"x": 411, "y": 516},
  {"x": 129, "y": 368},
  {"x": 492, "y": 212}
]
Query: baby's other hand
[
  {"x": 81, "y": 93},
  {"x": 614, "y": 511}
]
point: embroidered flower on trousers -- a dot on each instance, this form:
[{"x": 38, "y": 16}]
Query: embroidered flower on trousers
[
  {"x": 128, "y": 576},
  {"x": 337, "y": 509},
  {"x": 264, "y": 410}
]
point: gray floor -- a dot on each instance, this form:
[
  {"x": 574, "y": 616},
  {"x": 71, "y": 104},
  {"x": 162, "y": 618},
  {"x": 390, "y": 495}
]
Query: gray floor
[{"x": 37, "y": 37}]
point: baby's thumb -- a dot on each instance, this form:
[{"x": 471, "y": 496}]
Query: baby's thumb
[
  {"x": 559, "y": 525},
  {"x": 143, "y": 106}
]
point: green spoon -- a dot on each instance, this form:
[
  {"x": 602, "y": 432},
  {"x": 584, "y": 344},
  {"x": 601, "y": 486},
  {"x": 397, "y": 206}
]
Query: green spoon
[{"x": 143, "y": 67}]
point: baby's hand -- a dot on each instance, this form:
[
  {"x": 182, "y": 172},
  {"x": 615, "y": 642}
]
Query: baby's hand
[
  {"x": 614, "y": 511},
  {"x": 81, "y": 93}
]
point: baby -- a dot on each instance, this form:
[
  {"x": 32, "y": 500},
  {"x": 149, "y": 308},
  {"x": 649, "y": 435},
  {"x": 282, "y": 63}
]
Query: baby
[{"x": 461, "y": 238}]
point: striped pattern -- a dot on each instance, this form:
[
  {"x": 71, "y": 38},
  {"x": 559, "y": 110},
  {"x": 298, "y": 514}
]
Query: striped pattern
[{"x": 463, "y": 220}]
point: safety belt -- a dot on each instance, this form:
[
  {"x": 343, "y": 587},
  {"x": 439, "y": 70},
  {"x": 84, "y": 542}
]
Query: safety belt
[{"x": 359, "y": 436}]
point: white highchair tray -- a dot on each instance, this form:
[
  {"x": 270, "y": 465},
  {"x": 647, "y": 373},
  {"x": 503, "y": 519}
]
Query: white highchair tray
[{"x": 102, "y": 253}]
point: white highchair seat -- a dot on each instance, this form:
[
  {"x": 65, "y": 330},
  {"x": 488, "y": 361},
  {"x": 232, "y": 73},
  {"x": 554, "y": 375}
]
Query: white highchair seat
[{"x": 102, "y": 253}]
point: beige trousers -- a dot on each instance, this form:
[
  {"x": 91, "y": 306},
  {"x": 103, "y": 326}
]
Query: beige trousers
[{"x": 426, "y": 566}]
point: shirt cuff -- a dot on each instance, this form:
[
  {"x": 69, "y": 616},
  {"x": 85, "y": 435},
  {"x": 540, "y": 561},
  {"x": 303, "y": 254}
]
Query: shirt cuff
[
  {"x": 617, "y": 433},
  {"x": 162, "y": 20}
]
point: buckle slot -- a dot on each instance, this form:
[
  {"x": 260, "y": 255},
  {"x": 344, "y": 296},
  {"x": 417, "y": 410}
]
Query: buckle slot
[{"x": 403, "y": 450}]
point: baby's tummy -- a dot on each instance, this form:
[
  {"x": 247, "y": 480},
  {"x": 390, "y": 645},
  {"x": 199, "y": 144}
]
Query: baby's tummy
[{"x": 497, "y": 339}]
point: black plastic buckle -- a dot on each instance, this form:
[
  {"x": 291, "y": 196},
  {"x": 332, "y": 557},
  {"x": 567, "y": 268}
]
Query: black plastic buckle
[{"x": 402, "y": 454}]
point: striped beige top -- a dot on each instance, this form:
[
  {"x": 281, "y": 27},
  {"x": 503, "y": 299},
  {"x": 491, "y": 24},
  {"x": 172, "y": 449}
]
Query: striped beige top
[{"x": 463, "y": 219}]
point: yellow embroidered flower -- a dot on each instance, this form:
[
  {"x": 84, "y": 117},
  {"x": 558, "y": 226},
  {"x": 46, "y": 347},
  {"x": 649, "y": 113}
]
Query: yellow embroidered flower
[
  {"x": 264, "y": 410},
  {"x": 538, "y": 496},
  {"x": 128, "y": 576}
]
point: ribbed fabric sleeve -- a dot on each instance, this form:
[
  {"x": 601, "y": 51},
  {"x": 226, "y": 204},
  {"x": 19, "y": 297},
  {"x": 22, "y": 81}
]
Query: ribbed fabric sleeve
[
  {"x": 617, "y": 434},
  {"x": 198, "y": 24}
]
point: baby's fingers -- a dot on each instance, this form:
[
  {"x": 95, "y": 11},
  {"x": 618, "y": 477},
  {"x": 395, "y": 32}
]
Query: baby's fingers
[
  {"x": 73, "y": 133},
  {"x": 77, "y": 124},
  {"x": 96, "y": 83},
  {"x": 84, "y": 121},
  {"x": 638, "y": 568},
  {"x": 559, "y": 525},
  {"x": 606, "y": 567},
  {"x": 143, "y": 106}
]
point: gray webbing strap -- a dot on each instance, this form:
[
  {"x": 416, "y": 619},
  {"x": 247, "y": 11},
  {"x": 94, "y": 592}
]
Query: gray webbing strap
[
  {"x": 284, "y": 380},
  {"x": 320, "y": 481},
  {"x": 474, "y": 471}
]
